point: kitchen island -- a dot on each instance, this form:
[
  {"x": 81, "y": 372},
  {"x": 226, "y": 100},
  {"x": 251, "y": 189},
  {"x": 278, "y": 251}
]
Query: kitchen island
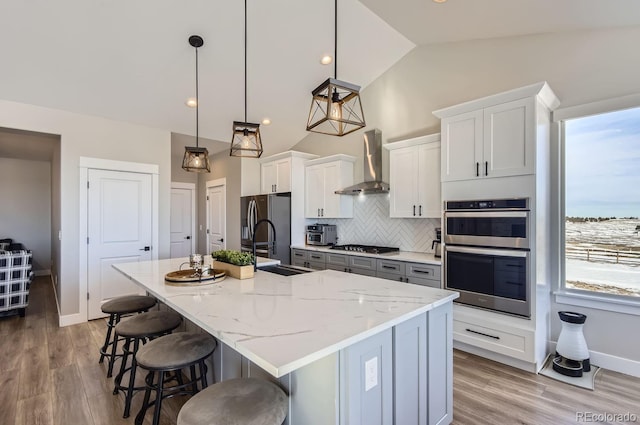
[{"x": 348, "y": 349}]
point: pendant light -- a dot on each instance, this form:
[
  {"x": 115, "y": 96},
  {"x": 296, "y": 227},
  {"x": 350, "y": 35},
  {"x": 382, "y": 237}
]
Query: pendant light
[
  {"x": 335, "y": 108},
  {"x": 246, "y": 141},
  {"x": 196, "y": 158}
]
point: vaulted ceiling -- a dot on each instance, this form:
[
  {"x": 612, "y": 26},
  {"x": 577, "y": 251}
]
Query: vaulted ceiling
[{"x": 130, "y": 60}]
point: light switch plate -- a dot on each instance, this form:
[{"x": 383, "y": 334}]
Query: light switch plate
[{"x": 370, "y": 373}]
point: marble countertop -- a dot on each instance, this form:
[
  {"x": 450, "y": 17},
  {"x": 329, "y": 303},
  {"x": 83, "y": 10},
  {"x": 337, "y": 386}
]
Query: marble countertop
[
  {"x": 414, "y": 257},
  {"x": 282, "y": 323}
]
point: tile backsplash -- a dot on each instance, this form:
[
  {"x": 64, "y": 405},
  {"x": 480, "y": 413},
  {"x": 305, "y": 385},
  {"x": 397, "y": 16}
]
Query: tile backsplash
[{"x": 371, "y": 225}]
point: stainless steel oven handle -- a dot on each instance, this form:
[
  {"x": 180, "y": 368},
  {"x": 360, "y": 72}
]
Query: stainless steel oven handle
[
  {"x": 483, "y": 214},
  {"x": 487, "y": 251}
]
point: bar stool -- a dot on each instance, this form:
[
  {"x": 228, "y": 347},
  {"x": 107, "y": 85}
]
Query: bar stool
[
  {"x": 140, "y": 328},
  {"x": 246, "y": 401},
  {"x": 172, "y": 353},
  {"x": 117, "y": 308}
]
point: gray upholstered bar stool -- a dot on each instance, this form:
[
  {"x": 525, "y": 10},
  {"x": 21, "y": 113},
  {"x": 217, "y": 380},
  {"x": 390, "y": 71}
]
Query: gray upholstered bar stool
[
  {"x": 117, "y": 308},
  {"x": 242, "y": 401},
  {"x": 173, "y": 353},
  {"x": 140, "y": 328}
]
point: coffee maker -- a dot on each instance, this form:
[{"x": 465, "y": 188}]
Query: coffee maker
[{"x": 436, "y": 244}]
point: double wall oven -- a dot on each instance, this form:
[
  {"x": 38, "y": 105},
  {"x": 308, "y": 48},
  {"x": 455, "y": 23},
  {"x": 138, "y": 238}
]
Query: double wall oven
[{"x": 486, "y": 254}]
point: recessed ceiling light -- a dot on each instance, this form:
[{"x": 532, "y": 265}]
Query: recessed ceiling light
[
  {"x": 439, "y": 1},
  {"x": 191, "y": 102},
  {"x": 266, "y": 121},
  {"x": 326, "y": 60}
]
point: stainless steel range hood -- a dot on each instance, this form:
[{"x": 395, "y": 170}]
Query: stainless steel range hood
[{"x": 372, "y": 167}]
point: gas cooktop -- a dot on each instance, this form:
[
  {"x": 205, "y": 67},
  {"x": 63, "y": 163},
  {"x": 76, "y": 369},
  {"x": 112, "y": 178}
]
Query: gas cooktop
[{"x": 369, "y": 249}]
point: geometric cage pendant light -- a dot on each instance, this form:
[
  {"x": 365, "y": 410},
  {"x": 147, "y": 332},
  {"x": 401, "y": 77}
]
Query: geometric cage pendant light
[
  {"x": 196, "y": 159},
  {"x": 336, "y": 108},
  {"x": 246, "y": 141}
]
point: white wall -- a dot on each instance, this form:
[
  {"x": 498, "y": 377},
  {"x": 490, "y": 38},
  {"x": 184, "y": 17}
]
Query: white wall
[
  {"x": 25, "y": 210},
  {"x": 580, "y": 67},
  {"x": 82, "y": 135}
]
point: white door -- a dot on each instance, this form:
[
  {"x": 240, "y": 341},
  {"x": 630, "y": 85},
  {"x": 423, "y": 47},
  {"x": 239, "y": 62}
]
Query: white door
[
  {"x": 314, "y": 191},
  {"x": 268, "y": 178},
  {"x": 119, "y": 228},
  {"x": 403, "y": 172},
  {"x": 283, "y": 175},
  {"x": 216, "y": 219},
  {"x": 181, "y": 222}
]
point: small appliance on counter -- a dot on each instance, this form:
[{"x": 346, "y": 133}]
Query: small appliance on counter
[
  {"x": 436, "y": 244},
  {"x": 322, "y": 234}
]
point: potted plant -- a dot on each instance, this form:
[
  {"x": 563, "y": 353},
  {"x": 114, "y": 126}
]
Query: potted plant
[{"x": 235, "y": 263}]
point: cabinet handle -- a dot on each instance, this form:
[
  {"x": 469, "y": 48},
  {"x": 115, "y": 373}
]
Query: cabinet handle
[
  {"x": 477, "y": 169},
  {"x": 321, "y": 212},
  {"x": 406, "y": 280},
  {"x": 318, "y": 212},
  {"x": 389, "y": 267},
  {"x": 414, "y": 210},
  {"x": 422, "y": 271},
  {"x": 481, "y": 333},
  {"x": 486, "y": 168},
  {"x": 316, "y": 257},
  {"x": 401, "y": 279},
  {"x": 420, "y": 211}
]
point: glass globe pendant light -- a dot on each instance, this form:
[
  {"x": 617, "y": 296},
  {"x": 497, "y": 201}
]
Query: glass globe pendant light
[
  {"x": 196, "y": 159},
  {"x": 246, "y": 140},
  {"x": 336, "y": 108}
]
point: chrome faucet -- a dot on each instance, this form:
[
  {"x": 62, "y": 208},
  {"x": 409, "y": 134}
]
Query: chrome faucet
[{"x": 254, "y": 244}]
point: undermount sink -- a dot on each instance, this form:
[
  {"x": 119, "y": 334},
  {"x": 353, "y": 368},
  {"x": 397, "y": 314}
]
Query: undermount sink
[{"x": 284, "y": 270}]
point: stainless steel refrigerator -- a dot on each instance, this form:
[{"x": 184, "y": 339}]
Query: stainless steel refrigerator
[{"x": 275, "y": 207}]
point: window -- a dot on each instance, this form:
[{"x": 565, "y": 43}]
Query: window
[{"x": 602, "y": 204}]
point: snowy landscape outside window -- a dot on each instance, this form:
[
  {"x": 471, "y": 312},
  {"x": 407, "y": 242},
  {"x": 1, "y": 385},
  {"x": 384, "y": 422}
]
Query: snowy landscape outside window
[{"x": 602, "y": 203}]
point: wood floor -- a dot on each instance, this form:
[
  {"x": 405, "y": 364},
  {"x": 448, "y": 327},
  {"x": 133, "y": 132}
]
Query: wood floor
[{"x": 51, "y": 376}]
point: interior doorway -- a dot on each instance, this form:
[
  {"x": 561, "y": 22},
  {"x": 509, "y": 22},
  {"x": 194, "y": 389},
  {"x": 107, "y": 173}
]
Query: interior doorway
[
  {"x": 118, "y": 223},
  {"x": 216, "y": 215},
  {"x": 182, "y": 226}
]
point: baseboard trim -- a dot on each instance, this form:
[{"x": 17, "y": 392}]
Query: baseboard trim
[
  {"x": 610, "y": 362},
  {"x": 70, "y": 319}
]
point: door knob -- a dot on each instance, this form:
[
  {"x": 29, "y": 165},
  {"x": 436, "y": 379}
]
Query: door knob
[
  {"x": 221, "y": 240},
  {"x": 146, "y": 248},
  {"x": 187, "y": 237}
]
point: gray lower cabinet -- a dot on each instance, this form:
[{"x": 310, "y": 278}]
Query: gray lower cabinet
[
  {"x": 310, "y": 259},
  {"x": 351, "y": 264},
  {"x": 416, "y": 273},
  {"x": 440, "y": 365}
]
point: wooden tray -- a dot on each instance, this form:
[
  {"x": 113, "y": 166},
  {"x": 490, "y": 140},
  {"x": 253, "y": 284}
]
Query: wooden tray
[{"x": 187, "y": 277}]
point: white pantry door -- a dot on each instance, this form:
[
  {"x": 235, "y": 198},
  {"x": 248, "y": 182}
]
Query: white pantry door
[
  {"x": 181, "y": 222},
  {"x": 119, "y": 230},
  {"x": 216, "y": 219}
]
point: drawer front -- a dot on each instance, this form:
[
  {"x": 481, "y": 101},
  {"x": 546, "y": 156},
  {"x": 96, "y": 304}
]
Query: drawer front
[
  {"x": 316, "y": 265},
  {"x": 391, "y": 267},
  {"x": 424, "y": 282},
  {"x": 299, "y": 254},
  {"x": 318, "y": 257},
  {"x": 365, "y": 272},
  {"x": 337, "y": 260},
  {"x": 423, "y": 271},
  {"x": 365, "y": 263},
  {"x": 298, "y": 262},
  {"x": 390, "y": 276},
  {"x": 337, "y": 267},
  {"x": 510, "y": 343}
]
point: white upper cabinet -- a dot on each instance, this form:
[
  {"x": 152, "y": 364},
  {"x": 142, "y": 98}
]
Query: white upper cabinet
[
  {"x": 275, "y": 176},
  {"x": 276, "y": 171},
  {"x": 323, "y": 177},
  {"x": 414, "y": 177},
  {"x": 494, "y": 136}
]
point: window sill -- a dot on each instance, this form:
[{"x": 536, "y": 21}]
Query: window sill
[{"x": 598, "y": 302}]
